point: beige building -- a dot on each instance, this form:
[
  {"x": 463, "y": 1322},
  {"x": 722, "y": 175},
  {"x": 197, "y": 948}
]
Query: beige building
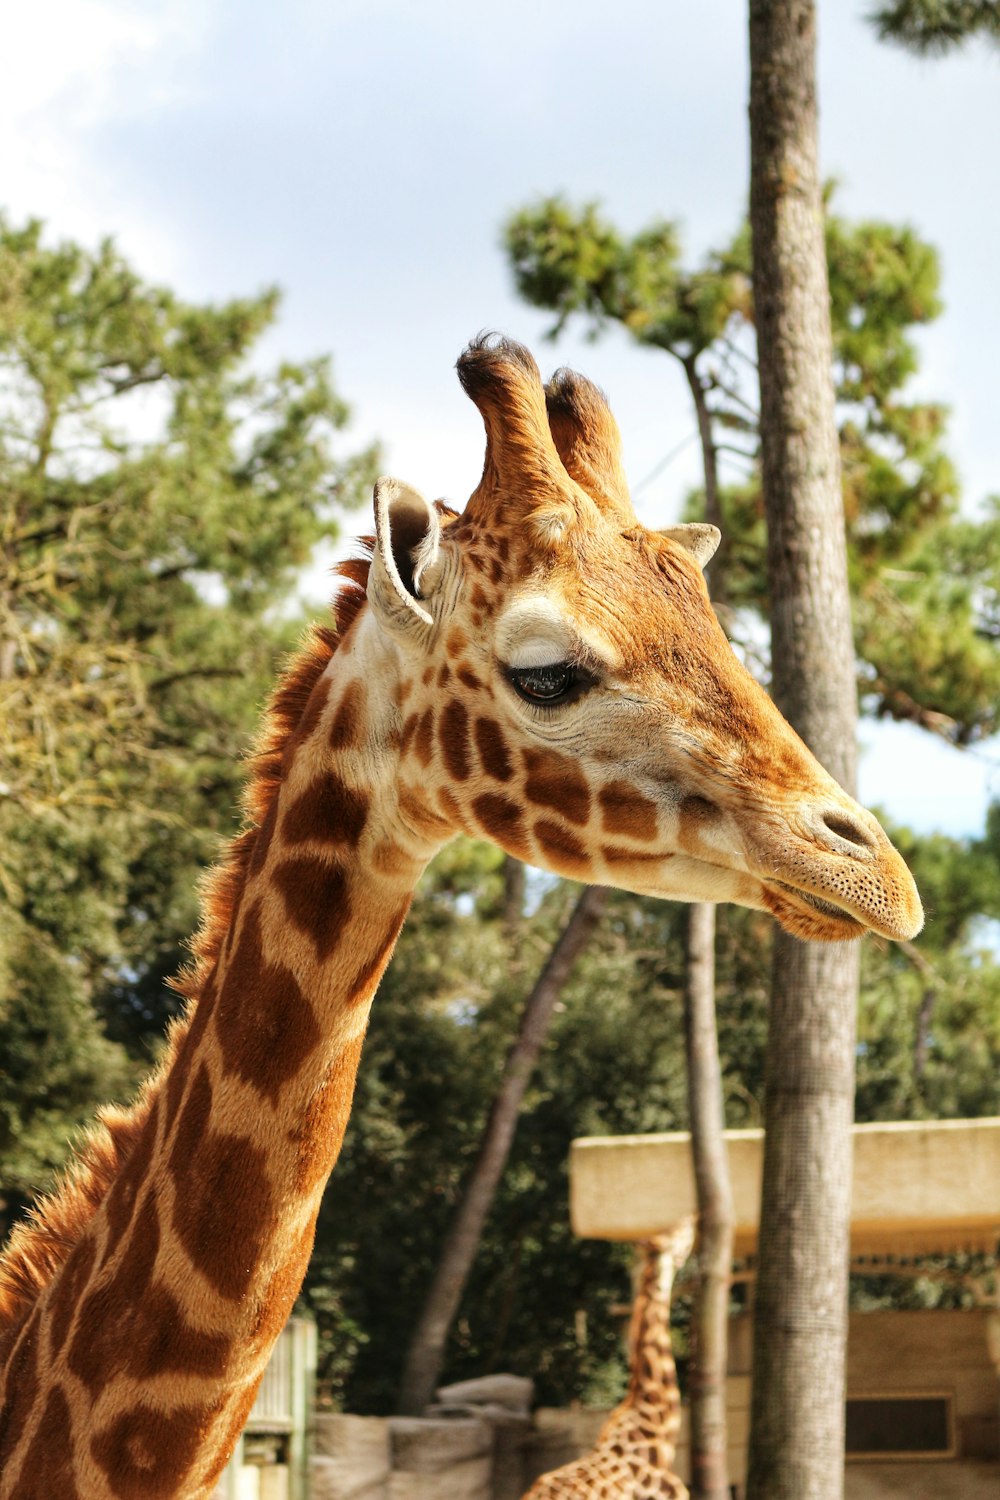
[{"x": 923, "y": 1392}]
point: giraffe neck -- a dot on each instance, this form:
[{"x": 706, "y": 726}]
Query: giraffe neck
[
  {"x": 140, "y": 1359},
  {"x": 651, "y": 1408}
]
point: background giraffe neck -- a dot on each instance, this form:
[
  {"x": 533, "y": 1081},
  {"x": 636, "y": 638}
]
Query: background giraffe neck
[
  {"x": 140, "y": 1359},
  {"x": 652, "y": 1371}
]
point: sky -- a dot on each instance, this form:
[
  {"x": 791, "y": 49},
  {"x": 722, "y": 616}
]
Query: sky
[{"x": 362, "y": 154}]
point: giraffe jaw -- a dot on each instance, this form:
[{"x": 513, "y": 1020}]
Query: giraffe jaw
[{"x": 811, "y": 917}]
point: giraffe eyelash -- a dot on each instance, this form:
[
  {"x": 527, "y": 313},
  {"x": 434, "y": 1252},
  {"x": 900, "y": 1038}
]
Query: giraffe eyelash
[{"x": 550, "y": 686}]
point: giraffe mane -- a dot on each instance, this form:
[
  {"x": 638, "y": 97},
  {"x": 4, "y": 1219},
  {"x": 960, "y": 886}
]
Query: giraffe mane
[{"x": 40, "y": 1245}]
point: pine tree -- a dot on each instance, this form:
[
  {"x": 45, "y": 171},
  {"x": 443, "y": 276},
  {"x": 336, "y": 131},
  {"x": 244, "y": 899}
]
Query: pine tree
[
  {"x": 157, "y": 496},
  {"x": 936, "y": 26}
]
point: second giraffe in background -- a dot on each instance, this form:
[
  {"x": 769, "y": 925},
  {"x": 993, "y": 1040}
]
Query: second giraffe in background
[{"x": 632, "y": 1457}]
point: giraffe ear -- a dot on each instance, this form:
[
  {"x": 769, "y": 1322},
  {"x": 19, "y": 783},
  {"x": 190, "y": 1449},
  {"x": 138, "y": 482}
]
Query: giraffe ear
[
  {"x": 696, "y": 537},
  {"x": 407, "y": 538}
]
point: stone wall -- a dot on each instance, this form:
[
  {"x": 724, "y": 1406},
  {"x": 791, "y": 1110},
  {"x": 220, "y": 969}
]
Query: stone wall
[{"x": 469, "y": 1447}]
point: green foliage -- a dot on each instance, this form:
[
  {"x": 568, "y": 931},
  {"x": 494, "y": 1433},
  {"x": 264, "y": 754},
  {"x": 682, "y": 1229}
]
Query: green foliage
[
  {"x": 570, "y": 261},
  {"x": 158, "y": 496},
  {"x": 58, "y": 1061},
  {"x": 936, "y": 26}
]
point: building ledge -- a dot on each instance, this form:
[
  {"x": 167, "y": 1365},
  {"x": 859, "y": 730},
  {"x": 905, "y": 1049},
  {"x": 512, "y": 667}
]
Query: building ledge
[{"x": 920, "y": 1187}]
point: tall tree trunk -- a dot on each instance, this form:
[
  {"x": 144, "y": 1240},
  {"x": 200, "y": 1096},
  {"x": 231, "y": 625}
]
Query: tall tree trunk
[
  {"x": 426, "y": 1352},
  {"x": 706, "y": 1111},
  {"x": 710, "y": 1325},
  {"x": 797, "y": 1417}
]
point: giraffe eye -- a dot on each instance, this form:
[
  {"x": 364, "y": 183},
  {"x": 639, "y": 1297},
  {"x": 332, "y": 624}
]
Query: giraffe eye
[{"x": 557, "y": 683}]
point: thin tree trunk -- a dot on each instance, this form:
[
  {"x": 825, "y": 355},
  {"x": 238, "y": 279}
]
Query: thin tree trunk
[
  {"x": 925, "y": 1011},
  {"x": 426, "y": 1352},
  {"x": 513, "y": 896},
  {"x": 710, "y": 1326},
  {"x": 710, "y": 468},
  {"x": 706, "y": 1110},
  {"x": 797, "y": 1416}
]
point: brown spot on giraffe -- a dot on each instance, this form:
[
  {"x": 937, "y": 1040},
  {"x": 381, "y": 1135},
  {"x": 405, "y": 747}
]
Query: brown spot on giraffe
[
  {"x": 502, "y": 820},
  {"x": 188, "y": 1048},
  {"x": 193, "y": 1120},
  {"x": 221, "y": 1191},
  {"x": 282, "y": 1290},
  {"x": 562, "y": 848},
  {"x": 453, "y": 733},
  {"x": 423, "y": 743},
  {"x": 388, "y": 859},
  {"x": 556, "y": 781},
  {"x": 317, "y": 899},
  {"x": 313, "y": 711},
  {"x": 456, "y": 642},
  {"x": 329, "y": 811},
  {"x": 265, "y": 1025},
  {"x": 348, "y": 723},
  {"x": 626, "y": 810},
  {"x": 146, "y": 1453},
  {"x": 493, "y": 752},
  {"x": 304, "y": 728},
  {"x": 468, "y": 678},
  {"x": 624, "y": 861}
]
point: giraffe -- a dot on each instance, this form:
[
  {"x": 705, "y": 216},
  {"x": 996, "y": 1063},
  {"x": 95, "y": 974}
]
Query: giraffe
[
  {"x": 541, "y": 670},
  {"x": 637, "y": 1444}
]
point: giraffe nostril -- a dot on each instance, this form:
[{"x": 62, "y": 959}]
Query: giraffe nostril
[{"x": 850, "y": 830}]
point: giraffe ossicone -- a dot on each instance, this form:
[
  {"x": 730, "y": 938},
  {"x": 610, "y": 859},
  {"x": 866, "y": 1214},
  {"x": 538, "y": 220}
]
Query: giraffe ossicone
[{"x": 541, "y": 671}]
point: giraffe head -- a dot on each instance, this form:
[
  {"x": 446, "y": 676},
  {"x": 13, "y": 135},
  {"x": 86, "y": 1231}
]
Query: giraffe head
[
  {"x": 664, "y": 1254},
  {"x": 567, "y": 691}
]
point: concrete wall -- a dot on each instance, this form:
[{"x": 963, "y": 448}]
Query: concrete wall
[
  {"x": 920, "y": 1187},
  {"x": 921, "y": 1351},
  {"x": 469, "y": 1448}
]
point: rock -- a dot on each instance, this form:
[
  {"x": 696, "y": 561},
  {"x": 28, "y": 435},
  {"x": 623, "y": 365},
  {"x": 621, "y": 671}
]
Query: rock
[
  {"x": 365, "y": 1439},
  {"x": 467, "y": 1481},
  {"x": 425, "y": 1445},
  {"x": 340, "y": 1479},
  {"x": 513, "y": 1392},
  {"x": 353, "y": 1457}
]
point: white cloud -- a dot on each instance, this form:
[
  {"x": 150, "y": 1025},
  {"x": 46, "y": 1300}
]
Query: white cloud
[{"x": 68, "y": 69}]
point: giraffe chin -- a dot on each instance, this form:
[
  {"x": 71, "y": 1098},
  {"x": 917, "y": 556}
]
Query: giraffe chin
[{"x": 806, "y": 916}]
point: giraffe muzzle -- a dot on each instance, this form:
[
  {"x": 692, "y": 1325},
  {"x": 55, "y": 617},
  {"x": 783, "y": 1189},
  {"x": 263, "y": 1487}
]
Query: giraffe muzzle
[{"x": 829, "y": 873}]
